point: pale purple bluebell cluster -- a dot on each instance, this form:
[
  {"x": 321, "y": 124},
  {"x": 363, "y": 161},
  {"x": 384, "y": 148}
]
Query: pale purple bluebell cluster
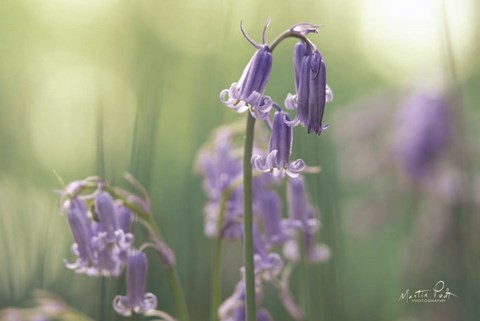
[
  {"x": 279, "y": 232},
  {"x": 101, "y": 243},
  {"x": 101, "y": 219},
  {"x": 423, "y": 133}
]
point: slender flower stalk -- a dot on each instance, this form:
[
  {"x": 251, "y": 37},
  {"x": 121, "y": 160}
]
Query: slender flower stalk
[
  {"x": 216, "y": 289},
  {"x": 248, "y": 220},
  {"x": 217, "y": 260},
  {"x": 172, "y": 277}
]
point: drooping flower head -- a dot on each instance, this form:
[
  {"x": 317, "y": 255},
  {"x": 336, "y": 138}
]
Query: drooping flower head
[
  {"x": 248, "y": 92},
  {"x": 312, "y": 89},
  {"x": 136, "y": 299},
  {"x": 100, "y": 248}
]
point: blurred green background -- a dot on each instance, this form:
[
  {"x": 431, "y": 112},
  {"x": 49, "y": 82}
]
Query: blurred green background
[{"x": 102, "y": 87}]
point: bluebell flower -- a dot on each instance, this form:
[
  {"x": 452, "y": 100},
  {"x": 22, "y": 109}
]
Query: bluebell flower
[
  {"x": 82, "y": 234},
  {"x": 248, "y": 92},
  {"x": 279, "y": 150},
  {"x": 267, "y": 265},
  {"x": 100, "y": 248},
  {"x": 303, "y": 218},
  {"x": 299, "y": 207},
  {"x": 136, "y": 299},
  {"x": 124, "y": 218},
  {"x": 108, "y": 261},
  {"x": 424, "y": 129},
  {"x": 315, "y": 252},
  {"x": 106, "y": 214},
  {"x": 274, "y": 228},
  {"x": 312, "y": 91}
]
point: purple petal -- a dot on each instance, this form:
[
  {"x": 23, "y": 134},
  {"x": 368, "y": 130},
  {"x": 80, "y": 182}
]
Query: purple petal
[{"x": 106, "y": 214}]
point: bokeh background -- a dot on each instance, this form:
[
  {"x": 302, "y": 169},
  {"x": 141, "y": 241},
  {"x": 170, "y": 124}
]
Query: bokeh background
[{"x": 102, "y": 87}]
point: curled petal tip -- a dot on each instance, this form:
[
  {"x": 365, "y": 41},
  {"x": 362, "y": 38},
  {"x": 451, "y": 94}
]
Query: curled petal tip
[
  {"x": 328, "y": 94},
  {"x": 292, "y": 123},
  {"x": 149, "y": 302},
  {"x": 121, "y": 306}
]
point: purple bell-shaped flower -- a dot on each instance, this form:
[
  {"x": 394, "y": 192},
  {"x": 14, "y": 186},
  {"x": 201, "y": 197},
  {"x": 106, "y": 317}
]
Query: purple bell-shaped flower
[
  {"x": 279, "y": 150},
  {"x": 136, "y": 299},
  {"x": 312, "y": 89}
]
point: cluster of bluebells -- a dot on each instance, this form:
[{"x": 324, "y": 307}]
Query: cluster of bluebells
[
  {"x": 104, "y": 244},
  {"x": 308, "y": 102},
  {"x": 278, "y": 238}
]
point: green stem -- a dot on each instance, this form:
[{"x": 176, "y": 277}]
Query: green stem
[
  {"x": 305, "y": 282},
  {"x": 248, "y": 220},
  {"x": 178, "y": 296},
  {"x": 290, "y": 34},
  {"x": 216, "y": 280},
  {"x": 172, "y": 275},
  {"x": 217, "y": 257}
]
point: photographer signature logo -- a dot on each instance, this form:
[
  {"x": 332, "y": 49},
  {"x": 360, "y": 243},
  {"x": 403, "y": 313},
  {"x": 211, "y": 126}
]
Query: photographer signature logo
[{"x": 438, "y": 294}]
